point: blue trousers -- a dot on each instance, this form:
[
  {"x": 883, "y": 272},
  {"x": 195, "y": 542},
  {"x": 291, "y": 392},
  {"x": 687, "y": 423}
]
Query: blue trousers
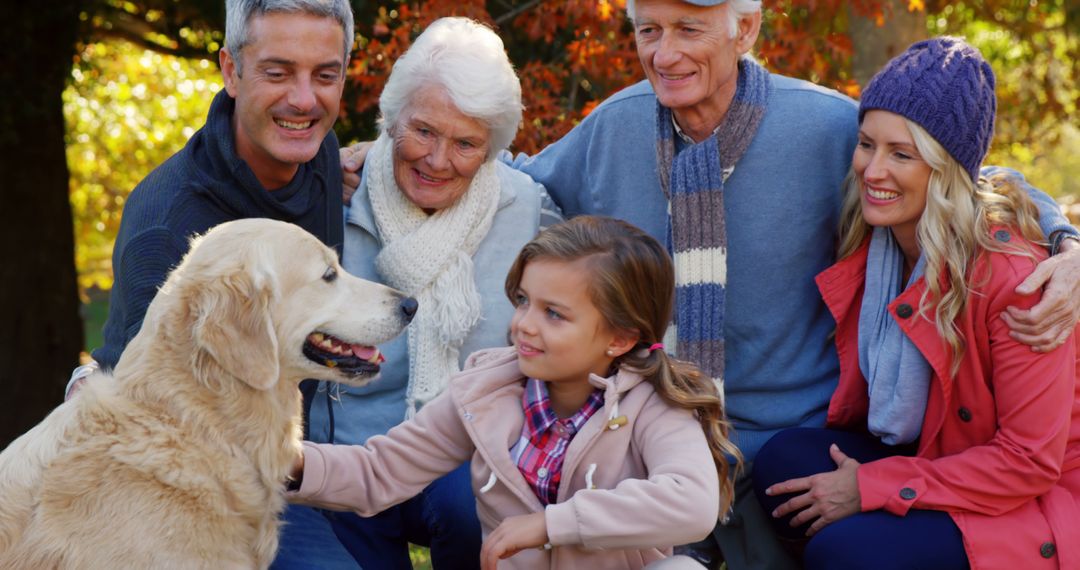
[
  {"x": 878, "y": 539},
  {"x": 442, "y": 517}
]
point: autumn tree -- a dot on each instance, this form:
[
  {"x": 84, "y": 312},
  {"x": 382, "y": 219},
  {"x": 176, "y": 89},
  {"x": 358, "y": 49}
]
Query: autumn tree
[
  {"x": 571, "y": 54},
  {"x": 42, "y": 338},
  {"x": 128, "y": 109},
  {"x": 1033, "y": 47},
  {"x": 42, "y": 334}
]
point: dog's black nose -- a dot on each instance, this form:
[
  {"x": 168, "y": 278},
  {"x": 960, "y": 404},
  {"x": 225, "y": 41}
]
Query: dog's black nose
[{"x": 408, "y": 308}]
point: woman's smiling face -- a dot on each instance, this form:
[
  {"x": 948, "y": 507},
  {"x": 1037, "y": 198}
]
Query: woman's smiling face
[
  {"x": 437, "y": 149},
  {"x": 893, "y": 174}
]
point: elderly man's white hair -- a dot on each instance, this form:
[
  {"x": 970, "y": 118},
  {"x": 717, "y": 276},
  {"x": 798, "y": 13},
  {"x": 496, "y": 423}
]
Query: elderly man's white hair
[
  {"x": 238, "y": 14},
  {"x": 739, "y": 9},
  {"x": 468, "y": 60}
]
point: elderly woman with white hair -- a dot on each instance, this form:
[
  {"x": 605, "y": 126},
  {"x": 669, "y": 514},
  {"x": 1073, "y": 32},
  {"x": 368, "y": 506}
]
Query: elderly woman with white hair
[{"x": 432, "y": 206}]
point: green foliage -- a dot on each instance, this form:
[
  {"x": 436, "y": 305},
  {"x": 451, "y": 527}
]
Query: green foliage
[
  {"x": 127, "y": 110},
  {"x": 420, "y": 557},
  {"x": 1033, "y": 52}
]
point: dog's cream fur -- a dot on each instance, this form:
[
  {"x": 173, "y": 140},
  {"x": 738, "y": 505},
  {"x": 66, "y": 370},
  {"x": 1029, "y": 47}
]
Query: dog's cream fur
[{"x": 179, "y": 459}]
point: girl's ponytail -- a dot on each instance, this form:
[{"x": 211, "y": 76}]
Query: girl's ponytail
[{"x": 682, "y": 385}]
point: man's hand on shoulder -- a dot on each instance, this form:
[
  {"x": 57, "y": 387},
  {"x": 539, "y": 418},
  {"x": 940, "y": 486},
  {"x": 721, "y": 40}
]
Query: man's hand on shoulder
[
  {"x": 1048, "y": 324},
  {"x": 352, "y": 159}
]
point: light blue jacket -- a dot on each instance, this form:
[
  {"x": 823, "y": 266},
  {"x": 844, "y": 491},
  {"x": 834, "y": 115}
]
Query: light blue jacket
[
  {"x": 781, "y": 205},
  {"x": 359, "y": 413}
]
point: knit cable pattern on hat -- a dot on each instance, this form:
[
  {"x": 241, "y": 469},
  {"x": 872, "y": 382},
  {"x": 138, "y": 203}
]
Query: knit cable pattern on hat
[
  {"x": 430, "y": 258},
  {"x": 946, "y": 87}
]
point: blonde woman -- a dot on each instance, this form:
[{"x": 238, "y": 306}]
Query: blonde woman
[{"x": 951, "y": 445}]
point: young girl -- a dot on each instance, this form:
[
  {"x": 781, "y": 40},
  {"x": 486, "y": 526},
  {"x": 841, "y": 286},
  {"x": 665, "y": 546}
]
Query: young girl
[
  {"x": 954, "y": 445},
  {"x": 590, "y": 446}
]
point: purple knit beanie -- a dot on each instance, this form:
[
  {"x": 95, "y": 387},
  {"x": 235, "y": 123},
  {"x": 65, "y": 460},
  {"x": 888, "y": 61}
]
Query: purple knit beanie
[{"x": 946, "y": 87}]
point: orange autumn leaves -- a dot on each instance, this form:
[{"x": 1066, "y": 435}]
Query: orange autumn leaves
[{"x": 571, "y": 54}]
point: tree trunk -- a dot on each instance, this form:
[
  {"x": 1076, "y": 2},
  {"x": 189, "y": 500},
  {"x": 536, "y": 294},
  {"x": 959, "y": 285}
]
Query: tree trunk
[
  {"x": 875, "y": 46},
  {"x": 42, "y": 333}
]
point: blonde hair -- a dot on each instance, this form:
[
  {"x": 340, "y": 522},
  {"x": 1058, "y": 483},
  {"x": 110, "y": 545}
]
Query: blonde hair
[
  {"x": 468, "y": 61},
  {"x": 632, "y": 284},
  {"x": 953, "y": 231}
]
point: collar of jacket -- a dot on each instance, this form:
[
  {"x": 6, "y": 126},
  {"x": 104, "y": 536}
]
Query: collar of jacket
[
  {"x": 491, "y": 384},
  {"x": 842, "y": 287},
  {"x": 361, "y": 215}
]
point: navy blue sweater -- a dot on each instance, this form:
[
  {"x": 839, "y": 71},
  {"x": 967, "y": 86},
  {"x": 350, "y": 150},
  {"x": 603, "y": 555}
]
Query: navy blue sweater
[{"x": 203, "y": 185}]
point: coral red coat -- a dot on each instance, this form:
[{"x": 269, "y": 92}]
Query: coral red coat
[{"x": 1000, "y": 443}]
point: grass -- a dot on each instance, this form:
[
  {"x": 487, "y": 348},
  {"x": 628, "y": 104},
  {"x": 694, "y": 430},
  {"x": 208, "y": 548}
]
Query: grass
[
  {"x": 94, "y": 314},
  {"x": 421, "y": 558}
]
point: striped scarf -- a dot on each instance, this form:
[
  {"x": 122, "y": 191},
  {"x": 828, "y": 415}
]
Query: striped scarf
[{"x": 693, "y": 182}]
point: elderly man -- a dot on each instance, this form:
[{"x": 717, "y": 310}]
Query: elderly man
[{"x": 741, "y": 170}]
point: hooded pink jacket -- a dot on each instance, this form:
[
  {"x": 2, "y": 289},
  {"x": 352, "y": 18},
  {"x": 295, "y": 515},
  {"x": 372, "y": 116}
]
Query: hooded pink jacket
[
  {"x": 1000, "y": 443},
  {"x": 626, "y": 495}
]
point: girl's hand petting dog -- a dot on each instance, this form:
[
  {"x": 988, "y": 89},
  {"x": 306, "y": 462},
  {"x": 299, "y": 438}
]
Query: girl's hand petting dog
[
  {"x": 513, "y": 535},
  {"x": 829, "y": 497}
]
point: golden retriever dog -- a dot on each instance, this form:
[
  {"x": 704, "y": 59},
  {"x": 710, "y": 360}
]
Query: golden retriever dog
[{"x": 179, "y": 459}]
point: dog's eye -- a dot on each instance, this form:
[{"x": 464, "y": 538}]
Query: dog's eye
[{"x": 330, "y": 275}]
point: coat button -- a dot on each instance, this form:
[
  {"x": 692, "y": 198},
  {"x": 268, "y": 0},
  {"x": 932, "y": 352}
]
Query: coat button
[
  {"x": 1002, "y": 235},
  {"x": 904, "y": 311},
  {"x": 965, "y": 414},
  {"x": 1047, "y": 549},
  {"x": 907, "y": 493}
]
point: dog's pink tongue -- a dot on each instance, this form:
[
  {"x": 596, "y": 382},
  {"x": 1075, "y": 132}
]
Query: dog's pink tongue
[{"x": 364, "y": 352}]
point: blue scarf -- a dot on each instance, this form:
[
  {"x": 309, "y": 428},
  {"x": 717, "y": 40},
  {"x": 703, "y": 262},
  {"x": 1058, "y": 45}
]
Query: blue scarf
[
  {"x": 897, "y": 374},
  {"x": 693, "y": 182}
]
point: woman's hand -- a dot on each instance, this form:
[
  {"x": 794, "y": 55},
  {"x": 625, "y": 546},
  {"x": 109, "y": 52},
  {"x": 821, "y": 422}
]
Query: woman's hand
[
  {"x": 1048, "y": 324},
  {"x": 512, "y": 536},
  {"x": 829, "y": 497},
  {"x": 352, "y": 158}
]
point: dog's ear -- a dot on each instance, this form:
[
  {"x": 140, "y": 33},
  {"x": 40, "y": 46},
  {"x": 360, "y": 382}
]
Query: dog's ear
[{"x": 233, "y": 324}]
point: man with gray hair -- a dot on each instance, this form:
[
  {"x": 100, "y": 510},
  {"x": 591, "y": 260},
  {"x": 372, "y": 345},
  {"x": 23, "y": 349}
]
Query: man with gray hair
[
  {"x": 740, "y": 171},
  {"x": 266, "y": 151}
]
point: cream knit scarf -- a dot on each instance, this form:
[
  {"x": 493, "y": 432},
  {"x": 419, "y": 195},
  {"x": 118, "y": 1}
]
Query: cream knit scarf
[{"x": 430, "y": 258}]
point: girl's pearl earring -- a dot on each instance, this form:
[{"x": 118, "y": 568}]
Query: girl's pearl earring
[{"x": 610, "y": 352}]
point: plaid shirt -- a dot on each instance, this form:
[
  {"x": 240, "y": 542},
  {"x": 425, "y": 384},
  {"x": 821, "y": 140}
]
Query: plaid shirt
[{"x": 540, "y": 450}]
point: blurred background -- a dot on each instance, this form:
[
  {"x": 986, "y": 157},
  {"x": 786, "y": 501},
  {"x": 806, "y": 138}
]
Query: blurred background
[{"x": 95, "y": 93}]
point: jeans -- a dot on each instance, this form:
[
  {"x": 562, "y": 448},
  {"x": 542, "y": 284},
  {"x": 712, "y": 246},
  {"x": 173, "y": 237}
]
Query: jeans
[
  {"x": 745, "y": 541},
  {"x": 442, "y": 517},
  {"x": 875, "y": 539}
]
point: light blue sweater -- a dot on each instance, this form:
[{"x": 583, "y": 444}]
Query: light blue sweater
[{"x": 782, "y": 206}]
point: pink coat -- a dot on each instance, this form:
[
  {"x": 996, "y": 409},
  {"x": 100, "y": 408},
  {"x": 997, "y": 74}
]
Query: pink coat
[
  {"x": 626, "y": 496},
  {"x": 1000, "y": 444}
]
